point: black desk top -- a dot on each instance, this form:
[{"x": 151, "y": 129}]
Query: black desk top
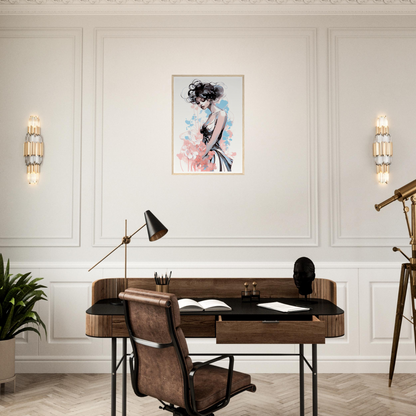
[{"x": 239, "y": 308}]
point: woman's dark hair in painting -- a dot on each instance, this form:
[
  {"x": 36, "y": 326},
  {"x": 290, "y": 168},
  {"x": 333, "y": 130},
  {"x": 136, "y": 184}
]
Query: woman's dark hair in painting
[
  {"x": 208, "y": 91},
  {"x": 303, "y": 275}
]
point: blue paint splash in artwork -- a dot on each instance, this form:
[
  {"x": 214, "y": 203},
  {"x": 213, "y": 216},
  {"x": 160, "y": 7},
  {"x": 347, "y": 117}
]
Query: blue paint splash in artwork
[{"x": 223, "y": 105}]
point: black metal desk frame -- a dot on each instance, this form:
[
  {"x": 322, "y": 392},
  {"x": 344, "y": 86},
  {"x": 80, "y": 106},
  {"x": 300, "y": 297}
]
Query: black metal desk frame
[
  {"x": 302, "y": 360},
  {"x": 318, "y": 307}
]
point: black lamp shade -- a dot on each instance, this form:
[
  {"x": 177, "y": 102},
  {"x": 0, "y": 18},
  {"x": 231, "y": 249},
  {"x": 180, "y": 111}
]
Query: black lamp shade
[{"x": 155, "y": 228}]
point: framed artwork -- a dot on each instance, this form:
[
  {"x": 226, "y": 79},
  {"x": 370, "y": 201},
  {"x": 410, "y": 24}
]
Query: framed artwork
[{"x": 208, "y": 124}]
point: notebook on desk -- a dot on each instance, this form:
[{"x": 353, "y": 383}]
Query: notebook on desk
[
  {"x": 282, "y": 307},
  {"x": 211, "y": 305}
]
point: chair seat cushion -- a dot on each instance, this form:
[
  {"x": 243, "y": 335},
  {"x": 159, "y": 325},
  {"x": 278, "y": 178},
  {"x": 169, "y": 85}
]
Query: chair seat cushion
[{"x": 211, "y": 385}]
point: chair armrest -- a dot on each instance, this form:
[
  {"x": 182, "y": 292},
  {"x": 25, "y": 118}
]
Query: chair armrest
[{"x": 229, "y": 379}]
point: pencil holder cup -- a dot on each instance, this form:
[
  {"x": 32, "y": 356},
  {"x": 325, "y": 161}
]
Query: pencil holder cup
[{"x": 162, "y": 288}]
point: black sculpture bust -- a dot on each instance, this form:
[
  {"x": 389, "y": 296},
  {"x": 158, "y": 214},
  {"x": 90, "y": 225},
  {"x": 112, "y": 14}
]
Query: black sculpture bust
[{"x": 304, "y": 275}]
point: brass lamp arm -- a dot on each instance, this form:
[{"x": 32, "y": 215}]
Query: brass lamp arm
[
  {"x": 112, "y": 251},
  {"x": 125, "y": 240},
  {"x": 144, "y": 225}
]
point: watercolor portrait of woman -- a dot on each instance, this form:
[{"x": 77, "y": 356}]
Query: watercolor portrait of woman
[{"x": 204, "y": 130}]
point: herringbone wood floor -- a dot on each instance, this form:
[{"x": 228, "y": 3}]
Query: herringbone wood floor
[{"x": 277, "y": 394}]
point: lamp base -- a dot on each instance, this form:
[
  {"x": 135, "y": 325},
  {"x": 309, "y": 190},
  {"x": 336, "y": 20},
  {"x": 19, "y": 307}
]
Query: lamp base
[{"x": 115, "y": 301}]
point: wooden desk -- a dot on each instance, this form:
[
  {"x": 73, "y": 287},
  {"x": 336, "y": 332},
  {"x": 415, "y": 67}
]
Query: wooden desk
[{"x": 239, "y": 326}]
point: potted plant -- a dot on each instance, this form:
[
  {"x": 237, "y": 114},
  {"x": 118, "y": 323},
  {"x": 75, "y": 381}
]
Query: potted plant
[{"x": 18, "y": 296}]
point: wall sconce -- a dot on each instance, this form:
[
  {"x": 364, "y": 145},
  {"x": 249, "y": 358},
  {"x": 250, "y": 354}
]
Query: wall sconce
[
  {"x": 33, "y": 150},
  {"x": 382, "y": 149}
]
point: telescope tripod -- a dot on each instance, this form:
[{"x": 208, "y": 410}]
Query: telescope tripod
[
  {"x": 408, "y": 272},
  {"x": 405, "y": 275}
]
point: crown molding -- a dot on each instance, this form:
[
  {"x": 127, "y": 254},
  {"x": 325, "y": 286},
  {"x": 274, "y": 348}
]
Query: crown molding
[
  {"x": 208, "y": 7},
  {"x": 201, "y": 3}
]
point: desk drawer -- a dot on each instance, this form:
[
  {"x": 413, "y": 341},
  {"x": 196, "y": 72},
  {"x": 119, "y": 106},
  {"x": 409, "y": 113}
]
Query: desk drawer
[
  {"x": 281, "y": 332},
  {"x": 198, "y": 326}
]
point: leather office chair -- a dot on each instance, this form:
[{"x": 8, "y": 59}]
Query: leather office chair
[{"x": 160, "y": 365}]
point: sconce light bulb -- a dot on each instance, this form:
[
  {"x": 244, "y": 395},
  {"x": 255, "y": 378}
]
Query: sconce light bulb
[
  {"x": 33, "y": 178},
  {"x": 383, "y": 177}
]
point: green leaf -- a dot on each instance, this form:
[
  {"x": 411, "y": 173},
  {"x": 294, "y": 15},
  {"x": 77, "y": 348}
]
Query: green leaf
[
  {"x": 1, "y": 270},
  {"x": 28, "y": 328},
  {"x": 11, "y": 294},
  {"x": 23, "y": 279},
  {"x": 19, "y": 294},
  {"x": 41, "y": 322},
  {"x": 3, "y": 334}
]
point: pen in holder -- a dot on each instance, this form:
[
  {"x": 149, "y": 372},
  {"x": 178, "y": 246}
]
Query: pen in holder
[{"x": 162, "y": 283}]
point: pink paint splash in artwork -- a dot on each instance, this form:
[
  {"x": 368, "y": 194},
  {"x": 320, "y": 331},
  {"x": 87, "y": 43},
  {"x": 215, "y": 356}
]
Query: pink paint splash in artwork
[{"x": 193, "y": 148}]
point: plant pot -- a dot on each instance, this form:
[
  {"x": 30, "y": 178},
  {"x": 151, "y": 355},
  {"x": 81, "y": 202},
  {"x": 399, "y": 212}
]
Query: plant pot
[{"x": 7, "y": 360}]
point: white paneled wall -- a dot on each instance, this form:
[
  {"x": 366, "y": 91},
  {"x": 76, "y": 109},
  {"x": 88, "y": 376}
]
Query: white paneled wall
[
  {"x": 102, "y": 87},
  {"x": 289, "y": 151},
  {"x": 41, "y": 75},
  {"x": 355, "y": 87}
]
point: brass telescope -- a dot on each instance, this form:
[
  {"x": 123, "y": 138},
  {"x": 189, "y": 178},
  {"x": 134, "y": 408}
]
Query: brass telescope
[
  {"x": 408, "y": 270},
  {"x": 400, "y": 194}
]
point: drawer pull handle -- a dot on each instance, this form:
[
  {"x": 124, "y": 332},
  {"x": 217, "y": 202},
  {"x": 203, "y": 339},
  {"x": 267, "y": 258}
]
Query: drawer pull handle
[{"x": 270, "y": 322}]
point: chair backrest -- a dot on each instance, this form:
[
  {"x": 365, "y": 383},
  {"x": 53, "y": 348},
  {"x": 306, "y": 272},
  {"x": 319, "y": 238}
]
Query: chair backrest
[{"x": 159, "y": 345}]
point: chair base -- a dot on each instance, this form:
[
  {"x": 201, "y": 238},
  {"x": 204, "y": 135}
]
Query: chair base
[{"x": 177, "y": 411}]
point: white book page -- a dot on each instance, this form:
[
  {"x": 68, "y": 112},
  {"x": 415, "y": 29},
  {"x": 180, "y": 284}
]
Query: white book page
[
  {"x": 183, "y": 303},
  {"x": 282, "y": 307},
  {"x": 213, "y": 303}
]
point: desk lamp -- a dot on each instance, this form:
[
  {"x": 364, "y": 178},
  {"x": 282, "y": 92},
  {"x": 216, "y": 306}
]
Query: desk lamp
[{"x": 155, "y": 230}]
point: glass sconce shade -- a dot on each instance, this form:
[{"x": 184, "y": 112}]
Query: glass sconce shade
[
  {"x": 33, "y": 150},
  {"x": 382, "y": 150}
]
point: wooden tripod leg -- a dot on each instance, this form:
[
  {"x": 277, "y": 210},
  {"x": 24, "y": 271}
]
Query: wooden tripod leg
[
  {"x": 413, "y": 292},
  {"x": 404, "y": 278}
]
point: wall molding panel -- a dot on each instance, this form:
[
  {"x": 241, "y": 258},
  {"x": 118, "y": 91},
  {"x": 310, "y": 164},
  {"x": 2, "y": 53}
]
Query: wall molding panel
[
  {"x": 341, "y": 233},
  {"x": 63, "y": 231},
  {"x": 128, "y": 38}
]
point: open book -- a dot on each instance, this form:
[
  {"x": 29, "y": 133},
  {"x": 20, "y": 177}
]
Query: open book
[
  {"x": 190, "y": 305},
  {"x": 282, "y": 307}
]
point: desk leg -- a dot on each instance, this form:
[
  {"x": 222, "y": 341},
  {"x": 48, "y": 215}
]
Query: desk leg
[
  {"x": 315, "y": 379},
  {"x": 124, "y": 377},
  {"x": 113, "y": 375},
  {"x": 301, "y": 381}
]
